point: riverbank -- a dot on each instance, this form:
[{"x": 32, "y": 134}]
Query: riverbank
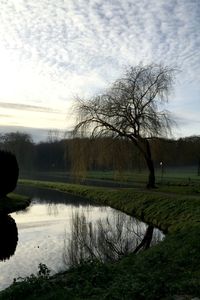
[
  {"x": 13, "y": 202},
  {"x": 168, "y": 269},
  {"x": 168, "y": 208}
]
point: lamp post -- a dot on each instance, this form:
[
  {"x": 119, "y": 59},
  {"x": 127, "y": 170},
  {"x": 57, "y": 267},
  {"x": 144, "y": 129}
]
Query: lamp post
[{"x": 162, "y": 170}]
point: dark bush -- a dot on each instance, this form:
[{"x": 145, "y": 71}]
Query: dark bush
[
  {"x": 9, "y": 172},
  {"x": 8, "y": 236}
]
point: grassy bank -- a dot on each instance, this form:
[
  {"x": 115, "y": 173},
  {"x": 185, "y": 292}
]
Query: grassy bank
[
  {"x": 13, "y": 202},
  {"x": 169, "y": 208},
  {"x": 168, "y": 269}
]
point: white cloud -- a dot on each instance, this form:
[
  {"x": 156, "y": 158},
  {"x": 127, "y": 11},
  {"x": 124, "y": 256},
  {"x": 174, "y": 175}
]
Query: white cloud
[{"x": 53, "y": 50}]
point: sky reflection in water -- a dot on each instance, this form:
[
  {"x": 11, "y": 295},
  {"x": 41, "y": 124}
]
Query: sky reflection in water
[
  {"x": 42, "y": 229},
  {"x": 41, "y": 232}
]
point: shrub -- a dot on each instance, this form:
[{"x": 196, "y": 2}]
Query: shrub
[
  {"x": 9, "y": 172},
  {"x": 8, "y": 236}
]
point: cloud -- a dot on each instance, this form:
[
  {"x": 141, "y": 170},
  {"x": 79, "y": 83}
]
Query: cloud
[
  {"x": 67, "y": 37},
  {"x": 34, "y": 108},
  {"x": 59, "y": 49}
]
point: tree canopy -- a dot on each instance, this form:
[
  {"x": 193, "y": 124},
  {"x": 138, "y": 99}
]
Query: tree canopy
[{"x": 131, "y": 108}]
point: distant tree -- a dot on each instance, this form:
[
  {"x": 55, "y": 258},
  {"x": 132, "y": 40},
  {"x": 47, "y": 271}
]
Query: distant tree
[
  {"x": 50, "y": 156},
  {"x": 131, "y": 109},
  {"x": 21, "y": 144},
  {"x": 9, "y": 172},
  {"x": 53, "y": 135}
]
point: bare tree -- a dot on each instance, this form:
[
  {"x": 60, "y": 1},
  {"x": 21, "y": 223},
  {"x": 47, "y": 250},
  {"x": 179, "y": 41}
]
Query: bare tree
[{"x": 131, "y": 109}]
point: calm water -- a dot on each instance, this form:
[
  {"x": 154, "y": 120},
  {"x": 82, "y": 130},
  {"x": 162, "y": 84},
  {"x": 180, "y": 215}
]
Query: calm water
[{"x": 43, "y": 229}]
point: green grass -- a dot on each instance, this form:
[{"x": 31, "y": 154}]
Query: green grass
[
  {"x": 170, "y": 173},
  {"x": 168, "y": 269},
  {"x": 178, "y": 175}
]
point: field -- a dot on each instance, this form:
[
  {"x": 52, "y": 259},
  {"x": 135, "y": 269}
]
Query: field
[{"x": 167, "y": 175}]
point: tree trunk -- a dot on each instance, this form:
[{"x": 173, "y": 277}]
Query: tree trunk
[
  {"x": 150, "y": 165},
  {"x": 151, "y": 180},
  {"x": 144, "y": 147},
  {"x": 146, "y": 241}
]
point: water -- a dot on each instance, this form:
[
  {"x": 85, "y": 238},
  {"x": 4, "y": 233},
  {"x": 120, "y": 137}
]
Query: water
[{"x": 43, "y": 229}]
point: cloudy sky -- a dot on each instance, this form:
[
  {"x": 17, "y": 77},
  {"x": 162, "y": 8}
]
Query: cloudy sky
[{"x": 53, "y": 50}]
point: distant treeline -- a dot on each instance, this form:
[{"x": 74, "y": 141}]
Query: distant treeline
[{"x": 102, "y": 154}]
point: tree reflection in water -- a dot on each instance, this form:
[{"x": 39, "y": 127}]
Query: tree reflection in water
[
  {"x": 8, "y": 236},
  {"x": 108, "y": 239}
]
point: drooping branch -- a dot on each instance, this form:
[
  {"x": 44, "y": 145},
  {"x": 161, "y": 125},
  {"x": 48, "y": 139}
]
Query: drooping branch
[{"x": 131, "y": 108}]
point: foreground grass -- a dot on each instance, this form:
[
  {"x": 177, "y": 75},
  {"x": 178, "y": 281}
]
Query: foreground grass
[{"x": 168, "y": 269}]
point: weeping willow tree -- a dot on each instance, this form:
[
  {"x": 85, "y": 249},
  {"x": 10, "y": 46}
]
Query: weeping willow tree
[
  {"x": 132, "y": 109},
  {"x": 105, "y": 154}
]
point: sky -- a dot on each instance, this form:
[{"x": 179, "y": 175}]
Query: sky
[{"x": 52, "y": 51}]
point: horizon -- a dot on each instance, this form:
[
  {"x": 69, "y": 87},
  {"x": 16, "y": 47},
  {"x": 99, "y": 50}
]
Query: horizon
[{"x": 39, "y": 135}]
